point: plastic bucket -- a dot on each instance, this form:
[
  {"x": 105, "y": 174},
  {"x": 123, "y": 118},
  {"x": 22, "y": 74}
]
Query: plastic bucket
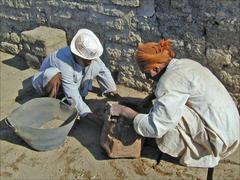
[{"x": 29, "y": 119}]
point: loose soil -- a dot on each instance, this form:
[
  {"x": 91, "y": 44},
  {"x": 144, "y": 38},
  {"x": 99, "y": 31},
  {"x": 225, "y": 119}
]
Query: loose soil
[{"x": 81, "y": 156}]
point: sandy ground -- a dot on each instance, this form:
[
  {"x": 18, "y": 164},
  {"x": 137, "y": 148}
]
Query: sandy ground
[{"x": 81, "y": 156}]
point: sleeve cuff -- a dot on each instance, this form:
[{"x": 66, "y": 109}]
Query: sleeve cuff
[
  {"x": 137, "y": 121},
  {"x": 110, "y": 90},
  {"x": 146, "y": 127},
  {"x": 84, "y": 112}
]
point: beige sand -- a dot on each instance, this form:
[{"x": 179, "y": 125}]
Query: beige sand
[
  {"x": 54, "y": 123},
  {"x": 81, "y": 156}
]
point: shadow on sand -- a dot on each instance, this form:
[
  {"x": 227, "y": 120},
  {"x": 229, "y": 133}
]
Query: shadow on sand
[
  {"x": 88, "y": 132},
  {"x": 24, "y": 94},
  {"x": 16, "y": 62},
  {"x": 7, "y": 134},
  {"x": 27, "y": 92}
]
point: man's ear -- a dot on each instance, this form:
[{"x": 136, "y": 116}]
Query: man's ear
[
  {"x": 140, "y": 45},
  {"x": 159, "y": 67}
]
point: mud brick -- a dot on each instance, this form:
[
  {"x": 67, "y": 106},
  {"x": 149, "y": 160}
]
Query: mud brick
[{"x": 119, "y": 138}]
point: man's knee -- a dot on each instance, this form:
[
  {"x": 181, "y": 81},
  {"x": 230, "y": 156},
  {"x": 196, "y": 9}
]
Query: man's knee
[{"x": 54, "y": 85}]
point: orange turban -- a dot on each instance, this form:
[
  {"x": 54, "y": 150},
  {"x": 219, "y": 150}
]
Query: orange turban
[{"x": 151, "y": 54}]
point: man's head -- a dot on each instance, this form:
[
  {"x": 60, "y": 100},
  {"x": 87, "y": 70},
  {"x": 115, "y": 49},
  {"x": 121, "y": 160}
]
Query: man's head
[
  {"x": 81, "y": 61},
  {"x": 86, "y": 46},
  {"x": 153, "y": 57}
]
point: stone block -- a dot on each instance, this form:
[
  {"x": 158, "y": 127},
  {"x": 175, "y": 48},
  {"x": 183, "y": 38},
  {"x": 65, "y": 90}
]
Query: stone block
[
  {"x": 130, "y": 3},
  {"x": 14, "y": 38},
  {"x": 38, "y": 51},
  {"x": 9, "y": 48},
  {"x": 113, "y": 52},
  {"x": 40, "y": 42},
  {"x": 5, "y": 36},
  {"x": 111, "y": 12},
  {"x": 217, "y": 58},
  {"x": 32, "y": 61},
  {"x": 222, "y": 34},
  {"x": 118, "y": 137},
  {"x": 147, "y": 8},
  {"x": 117, "y": 24},
  {"x": 48, "y": 38}
]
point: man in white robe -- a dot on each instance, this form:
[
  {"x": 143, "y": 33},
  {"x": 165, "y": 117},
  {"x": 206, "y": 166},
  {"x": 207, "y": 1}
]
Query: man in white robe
[{"x": 193, "y": 116}]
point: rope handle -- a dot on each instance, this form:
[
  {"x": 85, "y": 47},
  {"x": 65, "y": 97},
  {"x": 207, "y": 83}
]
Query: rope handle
[{"x": 68, "y": 98}]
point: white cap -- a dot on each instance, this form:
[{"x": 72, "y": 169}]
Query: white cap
[{"x": 86, "y": 44}]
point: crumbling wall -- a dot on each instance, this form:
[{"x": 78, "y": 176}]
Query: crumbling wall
[{"x": 206, "y": 31}]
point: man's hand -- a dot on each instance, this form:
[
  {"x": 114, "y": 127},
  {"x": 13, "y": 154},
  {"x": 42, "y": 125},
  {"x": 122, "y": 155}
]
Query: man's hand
[
  {"x": 120, "y": 110},
  {"x": 147, "y": 101},
  {"x": 53, "y": 85},
  {"x": 113, "y": 95}
]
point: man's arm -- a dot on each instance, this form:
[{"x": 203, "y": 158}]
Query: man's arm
[
  {"x": 71, "y": 91},
  {"x": 171, "y": 97},
  {"x": 105, "y": 79}
]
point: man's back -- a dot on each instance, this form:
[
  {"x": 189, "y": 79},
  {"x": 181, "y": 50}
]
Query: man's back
[{"x": 209, "y": 98}]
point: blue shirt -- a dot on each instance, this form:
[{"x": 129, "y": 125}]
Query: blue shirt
[{"x": 75, "y": 77}]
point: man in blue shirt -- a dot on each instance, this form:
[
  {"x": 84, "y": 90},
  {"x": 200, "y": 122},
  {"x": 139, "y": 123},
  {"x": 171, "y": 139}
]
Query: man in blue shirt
[{"x": 73, "y": 68}]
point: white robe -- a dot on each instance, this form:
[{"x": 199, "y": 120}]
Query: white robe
[{"x": 193, "y": 117}]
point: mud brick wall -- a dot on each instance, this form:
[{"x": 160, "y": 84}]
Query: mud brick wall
[{"x": 206, "y": 31}]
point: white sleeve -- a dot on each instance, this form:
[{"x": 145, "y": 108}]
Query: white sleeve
[
  {"x": 71, "y": 91},
  {"x": 46, "y": 72},
  {"x": 105, "y": 79},
  {"x": 171, "y": 96}
]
